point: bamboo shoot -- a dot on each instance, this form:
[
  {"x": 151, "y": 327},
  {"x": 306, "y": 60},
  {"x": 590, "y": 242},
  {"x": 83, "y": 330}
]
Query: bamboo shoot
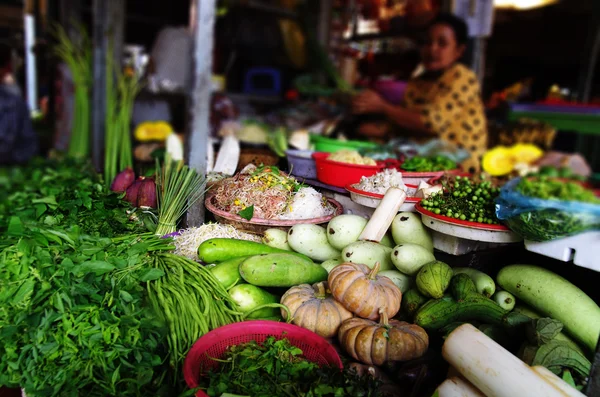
[
  {"x": 383, "y": 216},
  {"x": 492, "y": 368}
]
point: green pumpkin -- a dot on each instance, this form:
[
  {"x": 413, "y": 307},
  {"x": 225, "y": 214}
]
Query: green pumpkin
[{"x": 434, "y": 278}]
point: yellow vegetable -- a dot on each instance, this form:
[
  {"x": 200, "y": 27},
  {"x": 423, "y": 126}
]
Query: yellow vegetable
[
  {"x": 498, "y": 161},
  {"x": 153, "y": 131},
  {"x": 526, "y": 152}
]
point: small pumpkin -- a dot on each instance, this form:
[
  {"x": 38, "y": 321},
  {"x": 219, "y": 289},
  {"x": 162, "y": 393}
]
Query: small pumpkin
[
  {"x": 377, "y": 343},
  {"x": 314, "y": 308},
  {"x": 360, "y": 290}
]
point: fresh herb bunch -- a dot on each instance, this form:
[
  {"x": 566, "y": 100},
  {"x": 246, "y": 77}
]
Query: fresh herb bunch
[
  {"x": 73, "y": 316},
  {"x": 54, "y": 193},
  {"x": 548, "y": 188},
  {"x": 276, "y": 368},
  {"x": 427, "y": 164},
  {"x": 554, "y": 172},
  {"x": 465, "y": 199}
]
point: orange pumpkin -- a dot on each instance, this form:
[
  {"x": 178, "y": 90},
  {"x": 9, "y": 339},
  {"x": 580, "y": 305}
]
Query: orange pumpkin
[
  {"x": 314, "y": 308},
  {"x": 360, "y": 290},
  {"x": 377, "y": 343}
]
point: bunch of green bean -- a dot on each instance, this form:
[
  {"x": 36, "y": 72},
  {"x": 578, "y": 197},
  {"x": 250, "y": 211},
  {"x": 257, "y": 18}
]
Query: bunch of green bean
[{"x": 191, "y": 300}]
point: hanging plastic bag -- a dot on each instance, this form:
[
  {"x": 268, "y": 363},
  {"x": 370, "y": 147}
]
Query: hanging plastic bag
[{"x": 538, "y": 219}]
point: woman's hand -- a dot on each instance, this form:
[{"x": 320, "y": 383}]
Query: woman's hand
[{"x": 368, "y": 102}]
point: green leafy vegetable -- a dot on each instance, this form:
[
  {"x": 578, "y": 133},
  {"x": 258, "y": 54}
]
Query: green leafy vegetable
[
  {"x": 428, "y": 164},
  {"x": 247, "y": 213},
  {"x": 276, "y": 368}
]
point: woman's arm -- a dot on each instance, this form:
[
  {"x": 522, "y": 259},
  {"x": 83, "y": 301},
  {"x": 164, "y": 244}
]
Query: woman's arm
[{"x": 371, "y": 102}]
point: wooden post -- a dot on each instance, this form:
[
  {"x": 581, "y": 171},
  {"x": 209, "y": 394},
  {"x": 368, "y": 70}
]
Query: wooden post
[
  {"x": 109, "y": 20},
  {"x": 197, "y": 142}
]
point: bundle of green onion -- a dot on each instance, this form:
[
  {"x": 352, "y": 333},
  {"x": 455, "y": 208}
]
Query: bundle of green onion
[
  {"x": 78, "y": 57},
  {"x": 178, "y": 188},
  {"x": 119, "y": 108}
]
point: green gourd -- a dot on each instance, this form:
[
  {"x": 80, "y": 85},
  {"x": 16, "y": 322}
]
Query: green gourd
[{"x": 433, "y": 279}]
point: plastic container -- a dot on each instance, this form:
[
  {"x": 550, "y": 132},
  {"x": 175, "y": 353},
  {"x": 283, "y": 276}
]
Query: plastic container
[
  {"x": 329, "y": 145},
  {"x": 339, "y": 174},
  {"x": 215, "y": 343},
  {"x": 301, "y": 163}
]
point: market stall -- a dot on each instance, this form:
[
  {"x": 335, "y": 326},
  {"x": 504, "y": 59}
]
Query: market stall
[{"x": 279, "y": 253}]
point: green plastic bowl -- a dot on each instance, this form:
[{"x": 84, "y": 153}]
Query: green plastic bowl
[{"x": 329, "y": 145}]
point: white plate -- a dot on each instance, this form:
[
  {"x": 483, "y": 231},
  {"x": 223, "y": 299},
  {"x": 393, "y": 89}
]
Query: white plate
[{"x": 469, "y": 233}]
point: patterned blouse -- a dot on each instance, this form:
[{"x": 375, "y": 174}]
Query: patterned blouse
[{"x": 451, "y": 107}]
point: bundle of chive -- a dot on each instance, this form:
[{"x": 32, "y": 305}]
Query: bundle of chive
[
  {"x": 119, "y": 107},
  {"x": 178, "y": 188},
  {"x": 78, "y": 58}
]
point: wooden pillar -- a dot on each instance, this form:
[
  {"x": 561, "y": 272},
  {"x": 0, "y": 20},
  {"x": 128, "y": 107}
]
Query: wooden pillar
[
  {"x": 108, "y": 25},
  {"x": 197, "y": 142}
]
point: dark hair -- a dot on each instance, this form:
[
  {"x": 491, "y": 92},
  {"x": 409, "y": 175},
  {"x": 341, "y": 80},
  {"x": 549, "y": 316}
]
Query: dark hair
[
  {"x": 5, "y": 55},
  {"x": 457, "y": 24}
]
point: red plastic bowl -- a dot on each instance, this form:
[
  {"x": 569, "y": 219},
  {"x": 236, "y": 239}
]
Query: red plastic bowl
[
  {"x": 340, "y": 174},
  {"x": 214, "y": 344}
]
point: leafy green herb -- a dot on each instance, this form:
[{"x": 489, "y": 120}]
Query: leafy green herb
[
  {"x": 247, "y": 213},
  {"x": 277, "y": 368},
  {"x": 428, "y": 164}
]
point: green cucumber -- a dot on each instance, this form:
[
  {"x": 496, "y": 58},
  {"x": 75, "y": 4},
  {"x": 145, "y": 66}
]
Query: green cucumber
[
  {"x": 281, "y": 270},
  {"x": 227, "y": 272},
  {"x": 529, "y": 312},
  {"x": 485, "y": 284},
  {"x": 221, "y": 249},
  {"x": 505, "y": 300},
  {"x": 248, "y": 297},
  {"x": 556, "y": 298},
  {"x": 438, "y": 313}
]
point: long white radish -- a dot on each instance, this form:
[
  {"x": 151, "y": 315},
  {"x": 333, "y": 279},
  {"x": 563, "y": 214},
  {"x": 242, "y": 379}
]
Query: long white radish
[
  {"x": 457, "y": 387},
  {"x": 492, "y": 368},
  {"x": 558, "y": 382},
  {"x": 383, "y": 216}
]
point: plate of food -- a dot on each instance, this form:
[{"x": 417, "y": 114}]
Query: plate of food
[{"x": 259, "y": 198}]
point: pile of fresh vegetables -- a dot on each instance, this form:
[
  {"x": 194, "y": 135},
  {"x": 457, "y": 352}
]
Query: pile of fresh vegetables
[
  {"x": 428, "y": 164},
  {"x": 88, "y": 295},
  {"x": 465, "y": 199},
  {"x": 543, "y": 208}
]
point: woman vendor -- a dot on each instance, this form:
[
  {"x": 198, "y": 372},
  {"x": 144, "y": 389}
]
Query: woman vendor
[{"x": 444, "y": 101}]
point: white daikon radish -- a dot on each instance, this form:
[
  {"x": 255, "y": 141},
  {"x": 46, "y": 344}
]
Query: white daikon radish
[
  {"x": 456, "y": 387},
  {"x": 492, "y": 368},
  {"x": 558, "y": 382},
  {"x": 383, "y": 216}
]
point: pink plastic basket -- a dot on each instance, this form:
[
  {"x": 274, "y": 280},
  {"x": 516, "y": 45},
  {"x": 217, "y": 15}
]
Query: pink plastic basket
[{"x": 215, "y": 343}]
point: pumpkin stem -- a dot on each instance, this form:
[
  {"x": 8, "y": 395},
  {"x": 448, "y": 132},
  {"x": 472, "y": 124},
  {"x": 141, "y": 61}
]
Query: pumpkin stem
[
  {"x": 373, "y": 273},
  {"x": 383, "y": 317},
  {"x": 321, "y": 292}
]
